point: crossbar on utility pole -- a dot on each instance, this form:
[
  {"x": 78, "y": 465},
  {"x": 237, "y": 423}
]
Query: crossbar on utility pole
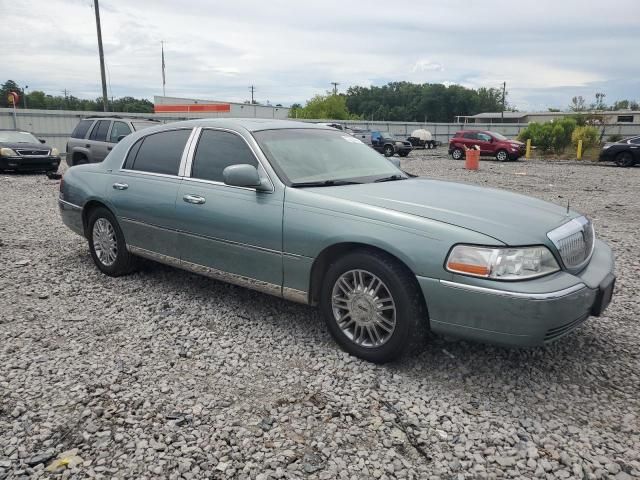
[{"x": 105, "y": 100}]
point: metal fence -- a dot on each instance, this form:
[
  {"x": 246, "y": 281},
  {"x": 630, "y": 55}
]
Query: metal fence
[{"x": 55, "y": 126}]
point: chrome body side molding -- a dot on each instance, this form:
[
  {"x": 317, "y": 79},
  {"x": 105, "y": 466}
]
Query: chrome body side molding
[{"x": 506, "y": 293}]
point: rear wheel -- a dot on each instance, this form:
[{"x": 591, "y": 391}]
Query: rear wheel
[
  {"x": 80, "y": 160},
  {"x": 457, "y": 154},
  {"x": 389, "y": 151},
  {"x": 502, "y": 155},
  {"x": 624, "y": 159},
  {"x": 107, "y": 245},
  {"x": 372, "y": 306}
]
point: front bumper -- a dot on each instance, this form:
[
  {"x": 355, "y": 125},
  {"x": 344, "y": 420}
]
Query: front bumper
[
  {"x": 605, "y": 155},
  {"x": 48, "y": 163},
  {"x": 527, "y": 313}
]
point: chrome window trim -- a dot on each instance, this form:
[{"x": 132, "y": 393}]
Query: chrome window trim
[
  {"x": 522, "y": 295},
  {"x": 182, "y": 158},
  {"x": 187, "y": 174}
]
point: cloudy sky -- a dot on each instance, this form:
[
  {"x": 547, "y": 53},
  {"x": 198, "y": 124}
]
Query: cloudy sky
[{"x": 546, "y": 51}]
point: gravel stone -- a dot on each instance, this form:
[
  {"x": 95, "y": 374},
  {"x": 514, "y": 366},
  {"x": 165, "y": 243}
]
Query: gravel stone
[{"x": 163, "y": 373}]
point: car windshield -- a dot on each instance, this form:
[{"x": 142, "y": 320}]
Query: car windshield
[
  {"x": 142, "y": 125},
  {"x": 386, "y": 135},
  {"x": 13, "y": 136},
  {"x": 309, "y": 155},
  {"x": 498, "y": 136}
]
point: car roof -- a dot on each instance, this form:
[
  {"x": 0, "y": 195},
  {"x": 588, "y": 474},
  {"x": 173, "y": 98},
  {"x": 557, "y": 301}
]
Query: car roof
[{"x": 249, "y": 124}]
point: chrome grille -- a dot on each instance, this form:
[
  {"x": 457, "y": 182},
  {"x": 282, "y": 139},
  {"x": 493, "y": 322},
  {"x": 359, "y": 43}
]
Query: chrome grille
[
  {"x": 574, "y": 241},
  {"x": 28, "y": 152}
]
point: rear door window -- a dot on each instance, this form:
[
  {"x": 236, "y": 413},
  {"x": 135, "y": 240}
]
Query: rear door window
[
  {"x": 99, "y": 132},
  {"x": 216, "y": 151},
  {"x": 81, "y": 129},
  {"x": 161, "y": 152},
  {"x": 470, "y": 135},
  {"x": 117, "y": 130}
]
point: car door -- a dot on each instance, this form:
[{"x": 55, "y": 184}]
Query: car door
[
  {"x": 469, "y": 139},
  {"x": 485, "y": 142},
  {"x": 97, "y": 141},
  {"x": 376, "y": 141},
  {"x": 234, "y": 232},
  {"x": 118, "y": 129},
  {"x": 143, "y": 193}
]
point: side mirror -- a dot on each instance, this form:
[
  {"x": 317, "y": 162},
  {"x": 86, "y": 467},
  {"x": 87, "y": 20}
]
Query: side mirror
[
  {"x": 395, "y": 161},
  {"x": 42, "y": 140},
  {"x": 121, "y": 137},
  {"x": 244, "y": 175}
]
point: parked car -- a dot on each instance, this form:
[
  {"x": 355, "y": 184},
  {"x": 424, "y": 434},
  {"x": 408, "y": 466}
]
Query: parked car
[
  {"x": 22, "y": 151},
  {"x": 94, "y": 137},
  {"x": 384, "y": 142},
  {"x": 422, "y": 138},
  {"x": 490, "y": 144},
  {"x": 625, "y": 153},
  {"x": 309, "y": 214}
]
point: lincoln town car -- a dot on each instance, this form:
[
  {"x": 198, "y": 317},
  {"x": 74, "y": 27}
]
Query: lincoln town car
[{"x": 311, "y": 214}]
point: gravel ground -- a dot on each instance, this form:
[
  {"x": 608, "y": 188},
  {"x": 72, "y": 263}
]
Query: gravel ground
[{"x": 164, "y": 374}]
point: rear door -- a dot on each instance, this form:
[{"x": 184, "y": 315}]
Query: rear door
[
  {"x": 143, "y": 192},
  {"x": 97, "y": 141},
  {"x": 469, "y": 139}
]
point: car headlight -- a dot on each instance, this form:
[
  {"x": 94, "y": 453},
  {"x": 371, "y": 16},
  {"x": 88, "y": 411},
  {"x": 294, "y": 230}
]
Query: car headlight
[
  {"x": 7, "y": 152},
  {"x": 510, "y": 263},
  {"x": 604, "y": 147},
  {"x": 54, "y": 152}
]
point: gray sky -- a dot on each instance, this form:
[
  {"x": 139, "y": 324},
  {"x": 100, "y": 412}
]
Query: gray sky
[{"x": 546, "y": 51}]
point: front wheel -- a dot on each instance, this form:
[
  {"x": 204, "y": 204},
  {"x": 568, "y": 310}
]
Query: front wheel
[
  {"x": 624, "y": 159},
  {"x": 457, "y": 154},
  {"x": 389, "y": 151},
  {"x": 502, "y": 155},
  {"x": 107, "y": 245},
  {"x": 372, "y": 306}
]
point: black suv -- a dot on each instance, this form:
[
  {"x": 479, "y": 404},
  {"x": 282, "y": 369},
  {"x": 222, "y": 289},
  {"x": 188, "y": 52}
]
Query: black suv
[{"x": 94, "y": 137}]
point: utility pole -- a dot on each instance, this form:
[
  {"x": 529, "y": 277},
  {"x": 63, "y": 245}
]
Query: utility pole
[
  {"x": 24, "y": 96},
  {"x": 504, "y": 93},
  {"x": 105, "y": 100},
  {"x": 335, "y": 87},
  {"x": 252, "y": 88}
]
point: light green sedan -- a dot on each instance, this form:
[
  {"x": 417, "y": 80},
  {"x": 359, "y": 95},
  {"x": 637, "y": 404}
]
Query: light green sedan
[{"x": 313, "y": 215}]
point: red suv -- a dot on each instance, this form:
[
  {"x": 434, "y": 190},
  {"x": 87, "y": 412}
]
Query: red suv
[{"x": 490, "y": 143}]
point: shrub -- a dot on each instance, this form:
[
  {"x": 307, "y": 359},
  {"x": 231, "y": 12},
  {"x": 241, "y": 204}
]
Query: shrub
[
  {"x": 550, "y": 136},
  {"x": 616, "y": 137},
  {"x": 588, "y": 135}
]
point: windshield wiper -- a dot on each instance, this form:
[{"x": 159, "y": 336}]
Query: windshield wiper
[
  {"x": 390, "y": 178},
  {"x": 324, "y": 183}
]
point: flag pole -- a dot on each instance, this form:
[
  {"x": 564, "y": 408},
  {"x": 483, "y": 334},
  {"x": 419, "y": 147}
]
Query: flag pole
[{"x": 163, "y": 68}]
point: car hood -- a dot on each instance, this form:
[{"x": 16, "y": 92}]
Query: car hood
[
  {"x": 26, "y": 146},
  {"x": 511, "y": 218}
]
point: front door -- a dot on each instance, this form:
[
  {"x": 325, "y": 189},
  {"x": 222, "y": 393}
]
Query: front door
[
  {"x": 143, "y": 193},
  {"x": 485, "y": 142},
  {"x": 235, "y": 233}
]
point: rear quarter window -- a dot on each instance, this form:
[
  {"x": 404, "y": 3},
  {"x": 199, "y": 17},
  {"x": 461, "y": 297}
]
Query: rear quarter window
[
  {"x": 160, "y": 152},
  {"x": 81, "y": 129}
]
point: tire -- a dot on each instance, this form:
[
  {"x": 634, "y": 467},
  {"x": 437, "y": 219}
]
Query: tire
[
  {"x": 403, "y": 154},
  {"x": 502, "y": 156},
  {"x": 80, "y": 160},
  {"x": 403, "y": 313},
  {"x": 624, "y": 159},
  {"x": 389, "y": 151},
  {"x": 457, "y": 154},
  {"x": 107, "y": 245}
]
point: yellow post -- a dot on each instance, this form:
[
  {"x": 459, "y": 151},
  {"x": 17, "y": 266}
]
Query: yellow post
[
  {"x": 527, "y": 155},
  {"x": 579, "y": 149}
]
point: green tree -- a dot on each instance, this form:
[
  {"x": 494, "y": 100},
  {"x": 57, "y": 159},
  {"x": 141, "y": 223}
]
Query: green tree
[{"x": 327, "y": 106}]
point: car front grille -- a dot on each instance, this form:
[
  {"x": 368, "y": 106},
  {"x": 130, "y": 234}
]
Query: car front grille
[
  {"x": 27, "y": 152},
  {"x": 574, "y": 241}
]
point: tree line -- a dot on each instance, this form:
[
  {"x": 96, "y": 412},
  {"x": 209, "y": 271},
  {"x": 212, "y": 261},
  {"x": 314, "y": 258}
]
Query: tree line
[{"x": 41, "y": 100}]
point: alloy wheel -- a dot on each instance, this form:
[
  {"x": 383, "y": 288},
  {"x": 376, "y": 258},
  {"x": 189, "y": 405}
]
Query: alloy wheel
[
  {"x": 363, "y": 308},
  {"x": 105, "y": 243}
]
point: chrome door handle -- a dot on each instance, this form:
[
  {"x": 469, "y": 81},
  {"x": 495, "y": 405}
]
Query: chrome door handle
[
  {"x": 195, "y": 199},
  {"x": 120, "y": 186}
]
